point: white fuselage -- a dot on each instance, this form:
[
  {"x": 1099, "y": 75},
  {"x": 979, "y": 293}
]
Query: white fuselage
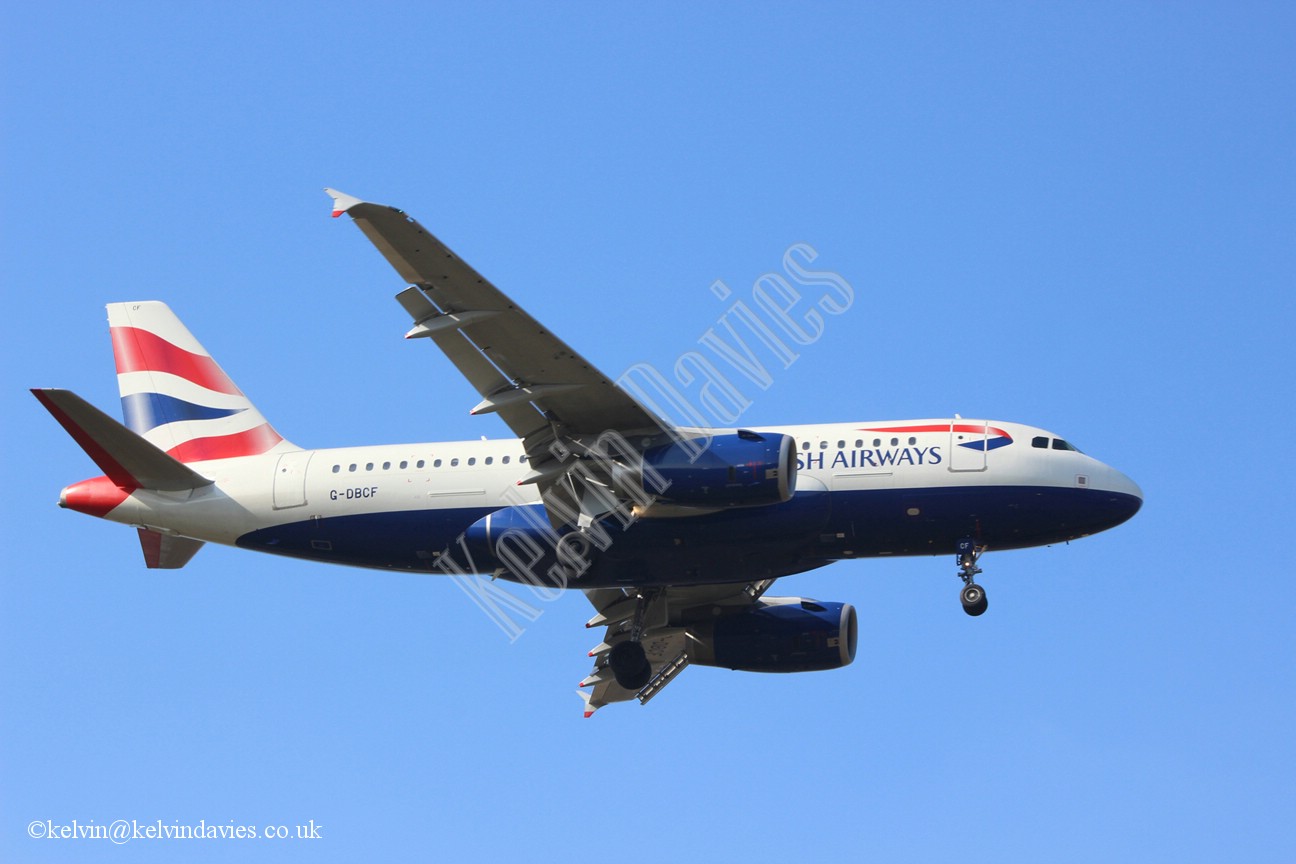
[{"x": 400, "y": 506}]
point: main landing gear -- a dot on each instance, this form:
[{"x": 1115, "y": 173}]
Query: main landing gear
[
  {"x": 973, "y": 596},
  {"x": 628, "y": 660}
]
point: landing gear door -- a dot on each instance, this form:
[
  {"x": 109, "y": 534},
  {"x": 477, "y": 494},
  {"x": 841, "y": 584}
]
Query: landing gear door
[
  {"x": 290, "y": 479},
  {"x": 969, "y": 440}
]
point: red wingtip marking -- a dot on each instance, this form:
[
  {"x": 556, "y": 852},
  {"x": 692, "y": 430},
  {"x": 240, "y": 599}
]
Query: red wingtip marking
[
  {"x": 337, "y": 213},
  {"x": 589, "y": 714}
]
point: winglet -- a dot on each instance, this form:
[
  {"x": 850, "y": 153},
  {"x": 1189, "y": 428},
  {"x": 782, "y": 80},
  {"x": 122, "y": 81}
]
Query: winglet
[{"x": 342, "y": 202}]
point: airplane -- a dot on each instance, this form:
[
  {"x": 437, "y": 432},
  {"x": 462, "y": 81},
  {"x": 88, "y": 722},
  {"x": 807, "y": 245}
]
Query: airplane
[{"x": 673, "y": 532}]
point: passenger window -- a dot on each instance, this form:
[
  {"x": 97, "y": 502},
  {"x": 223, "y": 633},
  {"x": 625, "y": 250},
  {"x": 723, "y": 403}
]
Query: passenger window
[
  {"x": 369, "y": 466},
  {"x": 454, "y": 463},
  {"x": 505, "y": 460},
  {"x": 419, "y": 464},
  {"x": 386, "y": 466},
  {"x": 351, "y": 467},
  {"x": 913, "y": 441},
  {"x": 489, "y": 460},
  {"x": 841, "y": 445},
  {"x": 1039, "y": 441},
  {"x": 823, "y": 445},
  {"x": 877, "y": 442},
  {"x": 522, "y": 458},
  {"x": 337, "y": 468},
  {"x": 404, "y": 464},
  {"x": 472, "y": 460},
  {"x": 859, "y": 442},
  {"x": 805, "y": 445},
  {"x": 436, "y": 463},
  {"x": 895, "y": 441}
]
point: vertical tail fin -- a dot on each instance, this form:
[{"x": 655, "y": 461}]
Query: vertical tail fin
[{"x": 175, "y": 395}]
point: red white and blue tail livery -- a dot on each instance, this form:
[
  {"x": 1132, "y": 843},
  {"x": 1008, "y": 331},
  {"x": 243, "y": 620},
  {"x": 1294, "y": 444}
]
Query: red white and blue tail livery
[
  {"x": 673, "y": 533},
  {"x": 175, "y": 395}
]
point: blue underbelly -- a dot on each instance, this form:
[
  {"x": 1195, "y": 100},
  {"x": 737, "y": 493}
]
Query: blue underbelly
[{"x": 811, "y": 530}]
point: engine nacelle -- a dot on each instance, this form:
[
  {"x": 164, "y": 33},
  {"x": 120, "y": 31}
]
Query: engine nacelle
[
  {"x": 778, "y": 634},
  {"x": 740, "y": 469}
]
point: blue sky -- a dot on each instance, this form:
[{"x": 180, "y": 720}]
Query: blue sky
[{"x": 1079, "y": 216}]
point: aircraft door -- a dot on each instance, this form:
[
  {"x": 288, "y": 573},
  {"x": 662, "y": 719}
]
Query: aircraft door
[
  {"x": 969, "y": 440},
  {"x": 290, "y": 479}
]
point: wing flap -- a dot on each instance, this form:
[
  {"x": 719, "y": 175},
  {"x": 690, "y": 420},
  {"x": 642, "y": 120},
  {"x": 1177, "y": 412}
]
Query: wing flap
[
  {"x": 666, "y": 645},
  {"x": 667, "y": 653}
]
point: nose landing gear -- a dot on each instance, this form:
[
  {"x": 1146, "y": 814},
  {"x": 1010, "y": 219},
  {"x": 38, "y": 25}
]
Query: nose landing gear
[{"x": 973, "y": 596}]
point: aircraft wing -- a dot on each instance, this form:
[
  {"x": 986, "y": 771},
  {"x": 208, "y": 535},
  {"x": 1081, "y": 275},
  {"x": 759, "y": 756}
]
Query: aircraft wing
[
  {"x": 538, "y": 385},
  {"x": 665, "y": 635}
]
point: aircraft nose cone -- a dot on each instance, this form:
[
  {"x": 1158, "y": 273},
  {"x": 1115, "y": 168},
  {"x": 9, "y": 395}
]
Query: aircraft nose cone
[
  {"x": 1125, "y": 485},
  {"x": 1126, "y": 498}
]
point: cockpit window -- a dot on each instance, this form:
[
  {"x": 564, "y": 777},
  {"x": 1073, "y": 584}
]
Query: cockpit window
[{"x": 1041, "y": 442}]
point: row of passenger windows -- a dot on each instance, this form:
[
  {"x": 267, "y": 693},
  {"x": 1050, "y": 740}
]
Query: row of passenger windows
[
  {"x": 859, "y": 442},
  {"x": 1041, "y": 442},
  {"x": 422, "y": 463}
]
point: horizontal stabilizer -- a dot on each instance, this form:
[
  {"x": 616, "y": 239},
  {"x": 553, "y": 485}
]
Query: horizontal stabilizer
[{"x": 127, "y": 459}]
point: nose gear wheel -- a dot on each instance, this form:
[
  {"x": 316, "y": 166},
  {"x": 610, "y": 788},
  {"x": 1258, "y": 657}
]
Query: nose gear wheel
[{"x": 973, "y": 596}]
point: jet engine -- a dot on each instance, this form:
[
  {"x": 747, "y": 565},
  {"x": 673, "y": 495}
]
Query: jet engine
[
  {"x": 778, "y": 634},
  {"x": 739, "y": 469}
]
